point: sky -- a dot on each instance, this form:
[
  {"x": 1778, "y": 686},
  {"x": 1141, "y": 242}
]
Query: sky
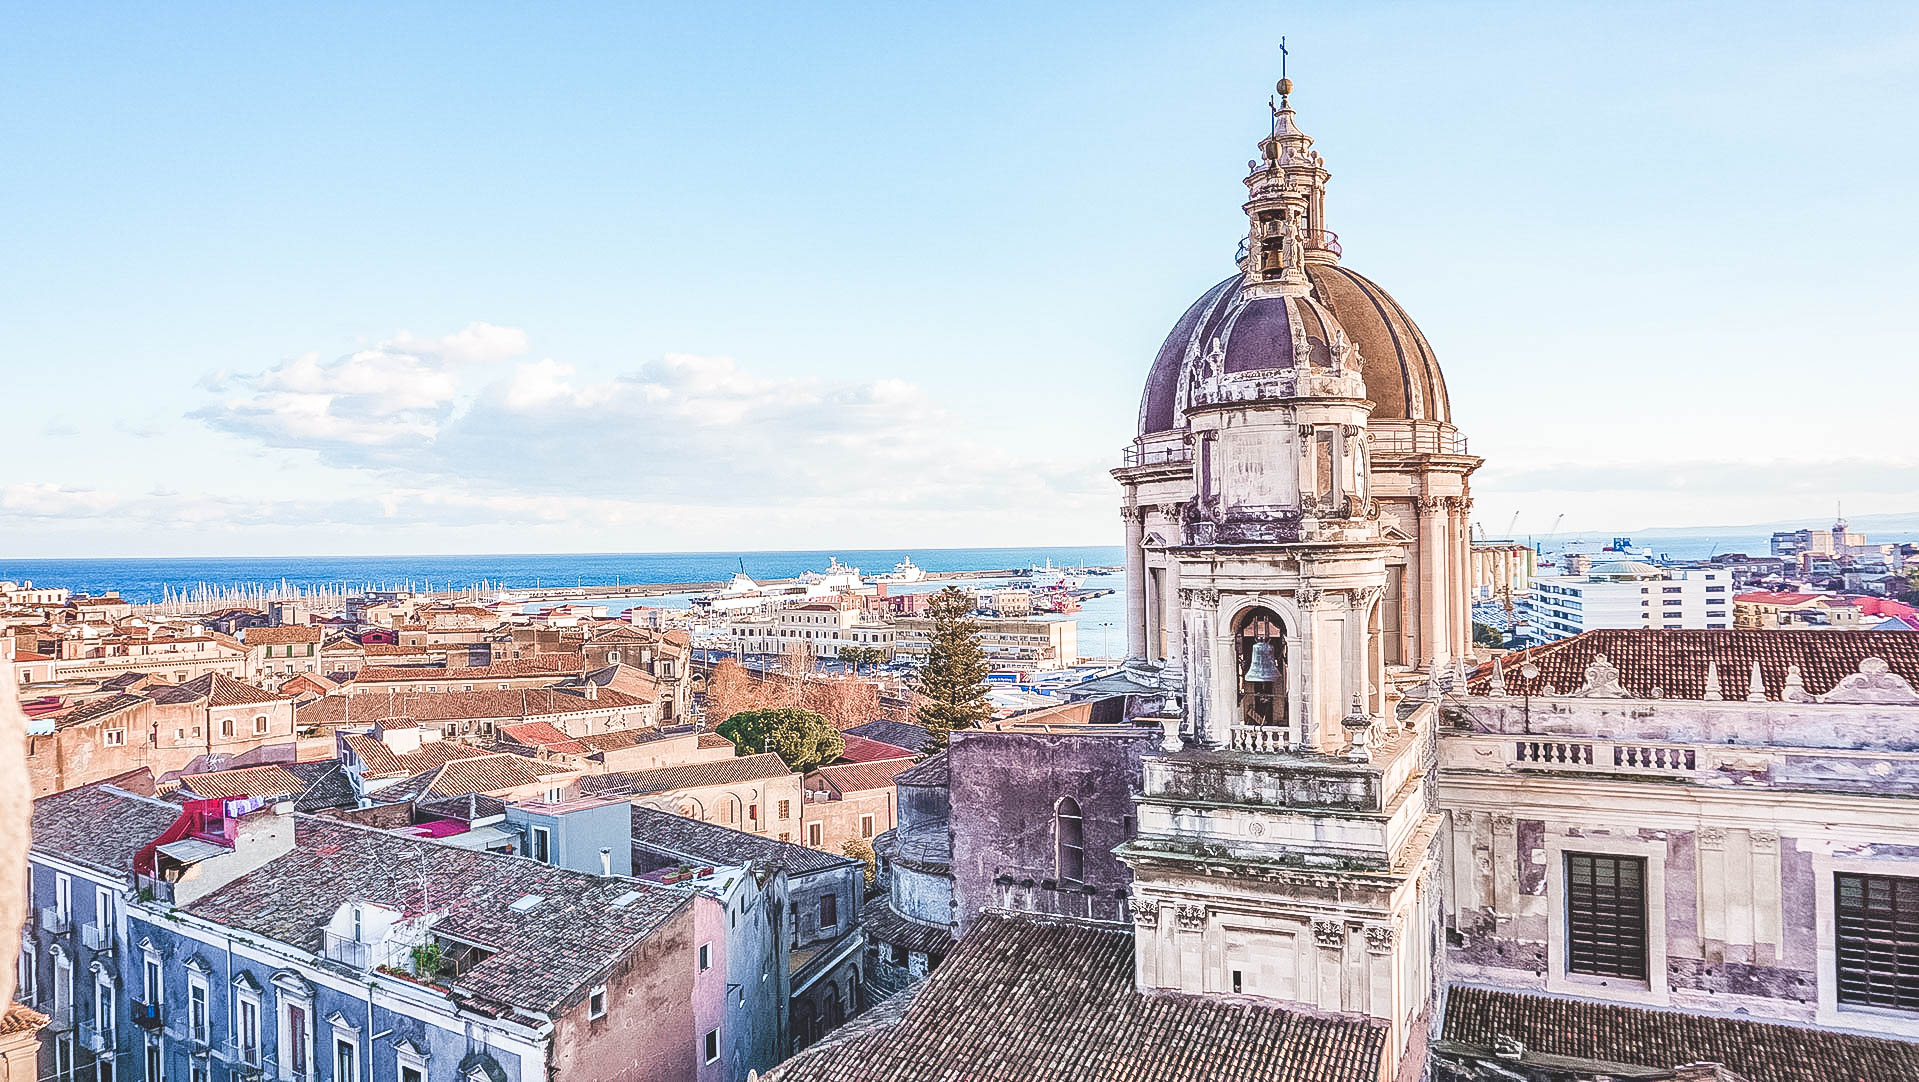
[{"x": 370, "y": 279}]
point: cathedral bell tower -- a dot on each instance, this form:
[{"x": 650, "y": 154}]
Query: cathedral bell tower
[{"x": 1286, "y": 832}]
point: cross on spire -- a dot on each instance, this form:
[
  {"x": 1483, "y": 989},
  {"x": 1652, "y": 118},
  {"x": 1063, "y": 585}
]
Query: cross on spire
[{"x": 1282, "y": 56}]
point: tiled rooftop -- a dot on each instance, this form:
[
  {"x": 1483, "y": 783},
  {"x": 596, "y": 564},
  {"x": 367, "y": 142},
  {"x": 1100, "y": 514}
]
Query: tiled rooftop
[
  {"x": 1675, "y": 661},
  {"x": 217, "y": 689},
  {"x": 859, "y": 749},
  {"x": 1029, "y": 997},
  {"x": 848, "y": 778},
  {"x": 99, "y": 826},
  {"x": 700, "y": 842},
  {"x": 884, "y": 925},
  {"x": 539, "y": 665},
  {"x": 898, "y": 733},
  {"x": 1656, "y": 1039},
  {"x": 441, "y": 706},
  {"x": 280, "y": 636},
  {"x": 379, "y": 761},
  {"x": 546, "y": 957},
  {"x": 931, "y": 774},
  {"x": 256, "y": 781},
  {"x": 689, "y": 776}
]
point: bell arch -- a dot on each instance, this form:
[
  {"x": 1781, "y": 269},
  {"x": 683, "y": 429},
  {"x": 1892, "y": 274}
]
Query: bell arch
[{"x": 1261, "y": 658}]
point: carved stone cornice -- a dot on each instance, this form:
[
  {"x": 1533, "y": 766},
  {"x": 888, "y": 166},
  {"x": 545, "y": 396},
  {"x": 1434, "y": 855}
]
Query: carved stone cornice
[
  {"x": 1130, "y": 513},
  {"x": 1146, "y": 916},
  {"x": 1192, "y": 917},
  {"x": 1329, "y": 934},
  {"x": 1202, "y": 596},
  {"x": 1306, "y": 596},
  {"x": 1426, "y": 505}
]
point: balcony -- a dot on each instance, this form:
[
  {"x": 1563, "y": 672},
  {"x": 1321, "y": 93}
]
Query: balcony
[
  {"x": 1158, "y": 456},
  {"x": 1263, "y": 739},
  {"x": 97, "y": 937},
  {"x": 95, "y": 1039},
  {"x": 55, "y": 920},
  {"x": 245, "y": 1054},
  {"x": 1418, "y": 442},
  {"x": 60, "y": 1018},
  {"x": 353, "y": 952},
  {"x": 149, "y": 1016}
]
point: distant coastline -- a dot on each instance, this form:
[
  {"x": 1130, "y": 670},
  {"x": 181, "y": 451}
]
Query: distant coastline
[{"x": 144, "y": 579}]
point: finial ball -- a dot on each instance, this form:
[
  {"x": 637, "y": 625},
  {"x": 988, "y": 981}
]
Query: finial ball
[{"x": 1285, "y": 87}]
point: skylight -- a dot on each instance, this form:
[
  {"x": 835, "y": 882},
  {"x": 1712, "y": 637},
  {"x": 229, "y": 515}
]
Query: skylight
[
  {"x": 527, "y": 903},
  {"x": 626, "y": 899}
]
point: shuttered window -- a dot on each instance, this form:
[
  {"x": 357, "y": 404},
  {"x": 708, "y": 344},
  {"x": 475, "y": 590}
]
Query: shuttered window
[
  {"x": 1606, "y": 915},
  {"x": 1878, "y": 941}
]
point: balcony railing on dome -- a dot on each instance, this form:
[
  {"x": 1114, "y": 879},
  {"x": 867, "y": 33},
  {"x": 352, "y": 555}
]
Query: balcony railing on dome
[
  {"x": 1324, "y": 239},
  {"x": 1158, "y": 456},
  {"x": 1417, "y": 443}
]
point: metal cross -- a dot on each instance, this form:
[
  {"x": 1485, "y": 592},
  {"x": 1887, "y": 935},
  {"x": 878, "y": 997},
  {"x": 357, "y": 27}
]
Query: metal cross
[{"x": 1282, "y": 57}]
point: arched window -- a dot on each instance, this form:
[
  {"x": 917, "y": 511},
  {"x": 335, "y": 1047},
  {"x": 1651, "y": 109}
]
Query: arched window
[
  {"x": 1261, "y": 701},
  {"x": 1070, "y": 833}
]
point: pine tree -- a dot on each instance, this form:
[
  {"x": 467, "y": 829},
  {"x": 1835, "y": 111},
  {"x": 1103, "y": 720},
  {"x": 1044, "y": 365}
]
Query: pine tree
[{"x": 953, "y": 679}]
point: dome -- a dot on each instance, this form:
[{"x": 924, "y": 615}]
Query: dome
[{"x": 1402, "y": 376}]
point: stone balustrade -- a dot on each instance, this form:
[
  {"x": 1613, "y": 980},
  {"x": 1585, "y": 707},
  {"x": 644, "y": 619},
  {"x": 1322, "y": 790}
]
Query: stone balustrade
[
  {"x": 1605, "y": 756},
  {"x": 1267, "y": 739}
]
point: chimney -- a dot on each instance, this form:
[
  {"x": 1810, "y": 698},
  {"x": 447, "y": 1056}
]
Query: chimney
[{"x": 606, "y": 861}]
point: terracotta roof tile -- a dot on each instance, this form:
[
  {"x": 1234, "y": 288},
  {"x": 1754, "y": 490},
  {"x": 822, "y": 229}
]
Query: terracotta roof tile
[
  {"x": 688, "y": 776},
  {"x": 861, "y": 750},
  {"x": 1658, "y": 1039},
  {"x": 441, "y": 706},
  {"x": 99, "y": 826},
  {"x": 280, "y": 636},
  {"x": 254, "y": 781},
  {"x": 539, "y": 665},
  {"x": 1674, "y": 661},
  {"x": 218, "y": 689},
  {"x": 1030, "y": 997},
  {"x": 544, "y": 958},
  {"x": 847, "y": 778},
  {"x": 678, "y": 836}
]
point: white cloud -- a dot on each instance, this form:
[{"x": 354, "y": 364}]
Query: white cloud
[{"x": 34, "y": 499}]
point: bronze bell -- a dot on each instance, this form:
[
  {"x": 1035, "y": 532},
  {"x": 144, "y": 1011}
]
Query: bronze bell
[{"x": 1264, "y": 667}]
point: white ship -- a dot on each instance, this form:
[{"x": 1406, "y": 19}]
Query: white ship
[
  {"x": 1050, "y": 577},
  {"x": 904, "y": 571}
]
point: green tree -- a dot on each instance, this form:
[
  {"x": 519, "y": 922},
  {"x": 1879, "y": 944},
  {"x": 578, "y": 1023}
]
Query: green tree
[
  {"x": 801, "y": 738},
  {"x": 953, "y": 680},
  {"x": 1487, "y": 635},
  {"x": 860, "y": 850},
  {"x": 855, "y": 656}
]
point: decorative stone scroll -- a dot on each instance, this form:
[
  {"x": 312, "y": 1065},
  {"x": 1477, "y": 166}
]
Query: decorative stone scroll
[
  {"x": 1146, "y": 916},
  {"x": 1875, "y": 682},
  {"x": 1306, "y": 596},
  {"x": 1192, "y": 918},
  {"x": 1765, "y": 841},
  {"x": 1329, "y": 934},
  {"x": 1712, "y": 839},
  {"x": 1205, "y": 597},
  {"x": 1602, "y": 680}
]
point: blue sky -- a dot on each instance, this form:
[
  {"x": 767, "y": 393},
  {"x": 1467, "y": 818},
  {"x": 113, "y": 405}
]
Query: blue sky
[{"x": 478, "y": 278}]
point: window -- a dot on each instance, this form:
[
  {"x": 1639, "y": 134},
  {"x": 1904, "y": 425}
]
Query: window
[
  {"x": 1878, "y": 941},
  {"x": 1069, "y": 831},
  {"x": 197, "y": 1011},
  {"x": 226, "y": 727},
  {"x": 248, "y": 1036},
  {"x": 706, "y": 957},
  {"x": 27, "y": 986},
  {"x": 712, "y": 1049},
  {"x": 866, "y": 826},
  {"x": 813, "y": 834},
  {"x": 114, "y": 738},
  {"x": 753, "y": 812},
  {"x": 829, "y": 911},
  {"x": 596, "y": 1003},
  {"x": 411, "y": 1073},
  {"x": 63, "y": 896},
  {"x": 1606, "y": 915},
  {"x": 152, "y": 987},
  {"x": 541, "y": 847},
  {"x": 155, "y": 1064},
  {"x": 346, "y": 1056},
  {"x": 786, "y": 809},
  {"x": 555, "y": 795},
  {"x": 260, "y": 724}
]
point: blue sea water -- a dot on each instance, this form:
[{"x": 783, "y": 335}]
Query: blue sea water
[{"x": 145, "y": 579}]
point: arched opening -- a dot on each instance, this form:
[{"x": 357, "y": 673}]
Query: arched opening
[
  {"x": 1069, "y": 832},
  {"x": 1259, "y": 665}
]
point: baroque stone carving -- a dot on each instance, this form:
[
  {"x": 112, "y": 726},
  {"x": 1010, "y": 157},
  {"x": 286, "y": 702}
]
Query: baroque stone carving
[
  {"x": 1379, "y": 939},
  {"x": 1147, "y": 916},
  {"x": 1795, "y": 690},
  {"x": 1764, "y": 841},
  {"x": 1306, "y": 595},
  {"x": 1712, "y": 839},
  {"x": 1329, "y": 934},
  {"x": 1875, "y": 682},
  {"x": 1192, "y": 917},
  {"x": 1206, "y": 597},
  {"x": 1602, "y": 680}
]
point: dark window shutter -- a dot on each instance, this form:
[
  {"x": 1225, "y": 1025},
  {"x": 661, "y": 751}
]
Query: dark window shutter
[
  {"x": 1606, "y": 915},
  {"x": 1878, "y": 940}
]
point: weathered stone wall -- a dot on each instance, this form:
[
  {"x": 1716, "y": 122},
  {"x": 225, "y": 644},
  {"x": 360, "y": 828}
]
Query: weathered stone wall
[{"x": 1005, "y": 787}]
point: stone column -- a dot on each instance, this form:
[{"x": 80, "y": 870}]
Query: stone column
[
  {"x": 1172, "y": 615},
  {"x": 1432, "y": 583},
  {"x": 1135, "y": 583}
]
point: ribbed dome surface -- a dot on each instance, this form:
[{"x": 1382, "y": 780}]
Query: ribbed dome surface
[{"x": 1402, "y": 376}]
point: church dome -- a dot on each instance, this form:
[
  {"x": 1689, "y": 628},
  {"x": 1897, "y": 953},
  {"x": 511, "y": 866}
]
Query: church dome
[
  {"x": 1289, "y": 251},
  {"x": 1402, "y": 375}
]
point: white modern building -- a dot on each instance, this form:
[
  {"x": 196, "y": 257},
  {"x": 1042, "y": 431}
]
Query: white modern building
[{"x": 1628, "y": 593}]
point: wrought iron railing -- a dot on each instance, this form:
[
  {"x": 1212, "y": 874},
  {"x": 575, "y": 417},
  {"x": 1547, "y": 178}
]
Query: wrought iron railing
[
  {"x": 1157, "y": 456},
  {"x": 1417, "y": 443}
]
